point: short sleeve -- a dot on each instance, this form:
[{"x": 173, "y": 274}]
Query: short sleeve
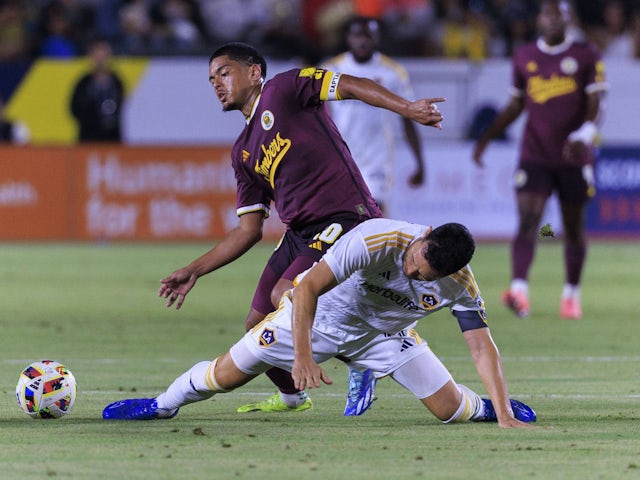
[{"x": 347, "y": 255}]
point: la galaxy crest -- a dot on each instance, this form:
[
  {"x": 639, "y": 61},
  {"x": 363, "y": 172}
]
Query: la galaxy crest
[
  {"x": 267, "y": 120},
  {"x": 267, "y": 337}
]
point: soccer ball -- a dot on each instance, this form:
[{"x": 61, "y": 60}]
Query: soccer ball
[{"x": 46, "y": 389}]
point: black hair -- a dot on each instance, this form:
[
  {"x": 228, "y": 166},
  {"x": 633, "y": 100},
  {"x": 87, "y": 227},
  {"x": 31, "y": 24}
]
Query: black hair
[
  {"x": 361, "y": 20},
  {"x": 538, "y": 6},
  {"x": 242, "y": 52},
  {"x": 451, "y": 247}
]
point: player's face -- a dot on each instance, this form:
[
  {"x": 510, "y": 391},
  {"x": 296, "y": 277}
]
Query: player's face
[
  {"x": 362, "y": 40},
  {"x": 553, "y": 20},
  {"x": 232, "y": 81},
  {"x": 415, "y": 266}
]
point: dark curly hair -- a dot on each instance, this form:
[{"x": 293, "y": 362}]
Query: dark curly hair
[
  {"x": 451, "y": 247},
  {"x": 242, "y": 52}
]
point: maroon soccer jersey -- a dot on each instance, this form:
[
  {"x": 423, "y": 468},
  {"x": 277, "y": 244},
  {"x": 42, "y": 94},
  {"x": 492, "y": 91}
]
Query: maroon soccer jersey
[
  {"x": 290, "y": 152},
  {"x": 555, "y": 82}
]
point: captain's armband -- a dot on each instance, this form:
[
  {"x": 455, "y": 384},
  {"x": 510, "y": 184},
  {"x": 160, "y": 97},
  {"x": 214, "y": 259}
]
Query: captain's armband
[
  {"x": 329, "y": 89},
  {"x": 470, "y": 319}
]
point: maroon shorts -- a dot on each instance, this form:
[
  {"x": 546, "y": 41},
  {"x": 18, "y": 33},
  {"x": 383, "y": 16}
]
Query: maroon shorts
[
  {"x": 296, "y": 252},
  {"x": 572, "y": 184}
]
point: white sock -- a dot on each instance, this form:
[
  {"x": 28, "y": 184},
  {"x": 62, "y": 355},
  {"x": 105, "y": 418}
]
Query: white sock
[
  {"x": 190, "y": 387},
  {"x": 293, "y": 400},
  {"x": 571, "y": 291},
  {"x": 520, "y": 285},
  {"x": 471, "y": 406}
]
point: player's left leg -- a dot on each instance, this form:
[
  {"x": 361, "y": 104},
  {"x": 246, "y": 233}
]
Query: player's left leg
[
  {"x": 575, "y": 187},
  {"x": 429, "y": 380},
  {"x": 575, "y": 253}
]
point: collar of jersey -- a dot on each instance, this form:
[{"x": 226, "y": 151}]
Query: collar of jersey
[
  {"x": 255, "y": 106},
  {"x": 375, "y": 58},
  {"x": 554, "y": 49}
]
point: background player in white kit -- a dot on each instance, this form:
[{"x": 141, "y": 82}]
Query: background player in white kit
[
  {"x": 360, "y": 302},
  {"x": 370, "y": 132}
]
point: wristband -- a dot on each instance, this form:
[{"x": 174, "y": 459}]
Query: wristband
[{"x": 587, "y": 134}]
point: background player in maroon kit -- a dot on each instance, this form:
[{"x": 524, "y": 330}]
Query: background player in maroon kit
[
  {"x": 289, "y": 153},
  {"x": 559, "y": 81}
]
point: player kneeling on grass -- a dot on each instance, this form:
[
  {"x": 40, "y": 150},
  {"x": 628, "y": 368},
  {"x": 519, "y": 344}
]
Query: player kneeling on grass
[{"x": 360, "y": 302}]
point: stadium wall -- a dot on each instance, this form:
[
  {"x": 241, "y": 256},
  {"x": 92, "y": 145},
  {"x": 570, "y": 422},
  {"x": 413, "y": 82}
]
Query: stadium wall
[{"x": 174, "y": 128}]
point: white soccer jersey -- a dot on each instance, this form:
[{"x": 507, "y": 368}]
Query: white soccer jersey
[
  {"x": 369, "y": 131},
  {"x": 375, "y": 293},
  {"x": 368, "y": 316}
]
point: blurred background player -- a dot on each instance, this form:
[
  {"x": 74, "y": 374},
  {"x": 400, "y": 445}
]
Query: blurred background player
[
  {"x": 97, "y": 98},
  {"x": 559, "y": 81},
  {"x": 289, "y": 153},
  {"x": 370, "y": 132}
]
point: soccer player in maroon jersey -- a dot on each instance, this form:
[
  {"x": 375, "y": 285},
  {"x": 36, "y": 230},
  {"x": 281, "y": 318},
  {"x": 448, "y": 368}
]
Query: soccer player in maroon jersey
[
  {"x": 559, "y": 81},
  {"x": 289, "y": 153}
]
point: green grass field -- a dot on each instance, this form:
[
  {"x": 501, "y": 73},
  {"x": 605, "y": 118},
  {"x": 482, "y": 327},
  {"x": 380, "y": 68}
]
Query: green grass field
[{"x": 95, "y": 309}]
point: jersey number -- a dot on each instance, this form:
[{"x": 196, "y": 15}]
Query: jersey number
[{"x": 330, "y": 234}]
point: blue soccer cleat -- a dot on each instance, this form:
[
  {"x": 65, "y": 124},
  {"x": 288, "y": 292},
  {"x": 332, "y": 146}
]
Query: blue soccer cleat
[
  {"x": 362, "y": 387},
  {"x": 137, "y": 409},
  {"x": 522, "y": 412}
]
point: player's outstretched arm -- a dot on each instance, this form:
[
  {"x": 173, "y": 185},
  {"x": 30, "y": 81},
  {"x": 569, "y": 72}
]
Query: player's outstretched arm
[
  {"x": 488, "y": 364},
  {"x": 424, "y": 111},
  {"x": 238, "y": 241},
  {"x": 306, "y": 372},
  {"x": 413, "y": 140},
  {"x": 505, "y": 118}
]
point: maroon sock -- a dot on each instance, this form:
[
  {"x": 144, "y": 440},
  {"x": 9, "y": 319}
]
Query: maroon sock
[
  {"x": 522, "y": 251},
  {"x": 282, "y": 380},
  {"x": 574, "y": 257}
]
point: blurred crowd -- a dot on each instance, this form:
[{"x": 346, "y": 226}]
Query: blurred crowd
[{"x": 305, "y": 30}]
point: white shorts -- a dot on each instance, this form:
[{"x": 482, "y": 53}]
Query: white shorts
[{"x": 270, "y": 344}]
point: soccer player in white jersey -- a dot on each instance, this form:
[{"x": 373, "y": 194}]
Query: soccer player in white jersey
[
  {"x": 361, "y": 302},
  {"x": 370, "y": 132}
]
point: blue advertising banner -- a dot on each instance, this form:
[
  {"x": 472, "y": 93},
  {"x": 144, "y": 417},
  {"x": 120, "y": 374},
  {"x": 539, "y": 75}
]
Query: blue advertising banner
[{"x": 615, "y": 210}]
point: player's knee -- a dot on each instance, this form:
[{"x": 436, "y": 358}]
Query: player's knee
[
  {"x": 224, "y": 375},
  {"x": 279, "y": 290},
  {"x": 253, "y": 319},
  {"x": 445, "y": 402},
  {"x": 275, "y": 298}
]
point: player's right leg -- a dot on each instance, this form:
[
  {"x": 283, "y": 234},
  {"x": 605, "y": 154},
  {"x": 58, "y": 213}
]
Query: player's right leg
[
  {"x": 200, "y": 382},
  {"x": 530, "y": 208}
]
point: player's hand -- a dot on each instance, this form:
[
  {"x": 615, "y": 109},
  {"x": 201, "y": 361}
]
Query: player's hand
[
  {"x": 176, "y": 286},
  {"x": 417, "y": 178},
  {"x": 478, "y": 152},
  {"x": 308, "y": 374},
  {"x": 512, "y": 422},
  {"x": 426, "y": 112},
  {"x": 573, "y": 150}
]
